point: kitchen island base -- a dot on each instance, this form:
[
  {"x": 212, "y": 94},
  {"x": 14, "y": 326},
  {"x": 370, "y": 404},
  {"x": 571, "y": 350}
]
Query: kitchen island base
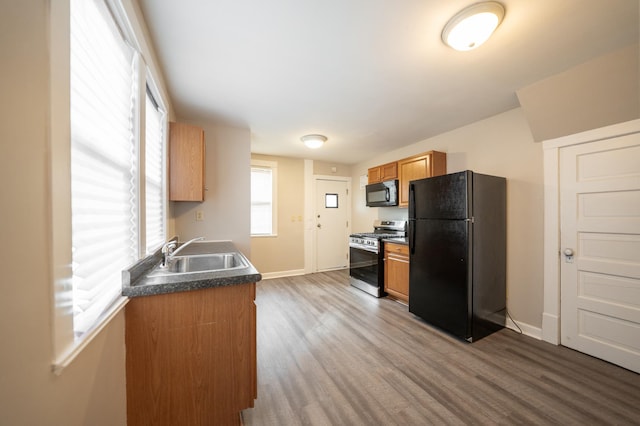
[{"x": 191, "y": 356}]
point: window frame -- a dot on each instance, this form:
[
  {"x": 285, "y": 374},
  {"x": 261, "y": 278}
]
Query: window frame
[
  {"x": 273, "y": 166},
  {"x": 65, "y": 346},
  {"x": 150, "y": 88}
]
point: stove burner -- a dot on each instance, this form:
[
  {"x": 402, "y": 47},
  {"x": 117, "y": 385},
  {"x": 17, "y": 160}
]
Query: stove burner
[{"x": 384, "y": 229}]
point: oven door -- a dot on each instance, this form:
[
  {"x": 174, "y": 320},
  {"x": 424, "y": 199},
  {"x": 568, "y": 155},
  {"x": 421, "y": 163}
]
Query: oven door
[{"x": 364, "y": 267}]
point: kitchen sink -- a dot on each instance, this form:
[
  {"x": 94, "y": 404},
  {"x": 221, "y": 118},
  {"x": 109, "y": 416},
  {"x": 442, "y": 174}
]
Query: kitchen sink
[{"x": 201, "y": 263}]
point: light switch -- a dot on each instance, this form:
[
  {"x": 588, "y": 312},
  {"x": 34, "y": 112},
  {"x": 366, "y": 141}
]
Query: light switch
[{"x": 199, "y": 215}]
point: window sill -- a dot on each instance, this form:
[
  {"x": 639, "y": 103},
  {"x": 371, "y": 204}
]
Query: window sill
[
  {"x": 264, "y": 236},
  {"x": 65, "y": 359}
]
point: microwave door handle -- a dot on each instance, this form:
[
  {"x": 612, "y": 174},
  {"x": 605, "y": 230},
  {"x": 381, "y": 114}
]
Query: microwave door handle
[{"x": 388, "y": 194}]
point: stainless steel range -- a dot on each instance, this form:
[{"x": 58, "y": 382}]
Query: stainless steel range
[{"x": 366, "y": 266}]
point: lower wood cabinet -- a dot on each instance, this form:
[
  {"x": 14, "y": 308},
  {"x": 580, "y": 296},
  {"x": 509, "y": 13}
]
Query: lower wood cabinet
[
  {"x": 191, "y": 356},
  {"x": 396, "y": 271}
]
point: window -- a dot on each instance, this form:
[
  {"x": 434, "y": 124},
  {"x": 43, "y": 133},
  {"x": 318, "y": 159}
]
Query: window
[
  {"x": 104, "y": 196},
  {"x": 98, "y": 229},
  {"x": 263, "y": 198},
  {"x": 154, "y": 176},
  {"x": 331, "y": 201}
]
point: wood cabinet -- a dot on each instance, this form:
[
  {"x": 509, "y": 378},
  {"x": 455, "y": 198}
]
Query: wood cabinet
[
  {"x": 428, "y": 164},
  {"x": 186, "y": 162},
  {"x": 384, "y": 172},
  {"x": 396, "y": 271},
  {"x": 191, "y": 356}
]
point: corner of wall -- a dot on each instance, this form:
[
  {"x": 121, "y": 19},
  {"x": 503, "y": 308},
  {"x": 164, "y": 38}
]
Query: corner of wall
[{"x": 597, "y": 93}]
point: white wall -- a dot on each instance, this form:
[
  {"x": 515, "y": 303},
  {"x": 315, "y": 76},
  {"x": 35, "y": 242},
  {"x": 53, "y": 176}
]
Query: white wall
[
  {"x": 284, "y": 253},
  {"x": 599, "y": 92},
  {"x": 501, "y": 145},
  {"x": 34, "y": 88},
  {"x": 226, "y": 209},
  {"x": 92, "y": 389}
]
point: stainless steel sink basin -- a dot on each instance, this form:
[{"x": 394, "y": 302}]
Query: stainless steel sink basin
[{"x": 201, "y": 263}]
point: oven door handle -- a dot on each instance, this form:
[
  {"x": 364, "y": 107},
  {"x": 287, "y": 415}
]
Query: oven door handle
[{"x": 365, "y": 248}]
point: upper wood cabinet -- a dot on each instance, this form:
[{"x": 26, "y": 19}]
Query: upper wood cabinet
[
  {"x": 384, "y": 172},
  {"x": 186, "y": 162},
  {"x": 428, "y": 164}
]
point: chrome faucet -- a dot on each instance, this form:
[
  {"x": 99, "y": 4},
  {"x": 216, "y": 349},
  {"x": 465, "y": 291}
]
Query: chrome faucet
[{"x": 169, "y": 250}]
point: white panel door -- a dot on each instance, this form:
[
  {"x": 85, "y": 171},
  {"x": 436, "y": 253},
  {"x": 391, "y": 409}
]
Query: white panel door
[
  {"x": 332, "y": 238},
  {"x": 600, "y": 249}
]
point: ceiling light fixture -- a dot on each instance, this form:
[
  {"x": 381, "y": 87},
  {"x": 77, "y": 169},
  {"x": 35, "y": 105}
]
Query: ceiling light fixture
[
  {"x": 473, "y": 25},
  {"x": 313, "y": 141}
]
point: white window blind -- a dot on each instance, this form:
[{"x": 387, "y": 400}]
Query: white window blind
[
  {"x": 261, "y": 201},
  {"x": 103, "y": 161},
  {"x": 154, "y": 166}
]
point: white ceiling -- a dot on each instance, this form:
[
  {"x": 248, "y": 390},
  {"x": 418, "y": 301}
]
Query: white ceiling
[{"x": 371, "y": 75}]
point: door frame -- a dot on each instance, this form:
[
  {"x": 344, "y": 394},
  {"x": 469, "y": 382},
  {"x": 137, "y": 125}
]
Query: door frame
[
  {"x": 310, "y": 264},
  {"x": 552, "y": 257}
]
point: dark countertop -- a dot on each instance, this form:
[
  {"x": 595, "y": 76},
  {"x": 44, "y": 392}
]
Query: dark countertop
[
  {"x": 403, "y": 241},
  {"x": 135, "y": 281}
]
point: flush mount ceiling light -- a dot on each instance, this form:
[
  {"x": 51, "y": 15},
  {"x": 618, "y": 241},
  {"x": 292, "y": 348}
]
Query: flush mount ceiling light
[
  {"x": 473, "y": 25},
  {"x": 313, "y": 141}
]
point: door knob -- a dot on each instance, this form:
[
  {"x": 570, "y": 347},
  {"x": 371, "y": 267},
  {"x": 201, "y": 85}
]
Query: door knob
[
  {"x": 319, "y": 225},
  {"x": 568, "y": 255}
]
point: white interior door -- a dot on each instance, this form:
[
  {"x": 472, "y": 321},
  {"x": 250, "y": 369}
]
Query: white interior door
[
  {"x": 600, "y": 249},
  {"x": 332, "y": 238}
]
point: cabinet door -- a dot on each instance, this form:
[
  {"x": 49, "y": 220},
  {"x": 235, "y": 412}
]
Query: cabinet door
[
  {"x": 191, "y": 356},
  {"x": 373, "y": 175},
  {"x": 428, "y": 164},
  {"x": 389, "y": 171},
  {"x": 418, "y": 167},
  {"x": 384, "y": 172},
  {"x": 396, "y": 271},
  {"x": 186, "y": 163}
]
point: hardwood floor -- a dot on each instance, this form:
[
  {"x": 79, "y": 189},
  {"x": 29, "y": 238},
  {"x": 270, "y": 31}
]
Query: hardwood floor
[{"x": 329, "y": 354}]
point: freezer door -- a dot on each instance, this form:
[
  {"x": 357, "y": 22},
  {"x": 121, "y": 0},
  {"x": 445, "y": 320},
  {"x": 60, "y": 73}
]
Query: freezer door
[
  {"x": 439, "y": 275},
  {"x": 440, "y": 197}
]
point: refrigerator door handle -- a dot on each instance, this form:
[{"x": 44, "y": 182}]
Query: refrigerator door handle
[
  {"x": 412, "y": 201},
  {"x": 412, "y": 237}
]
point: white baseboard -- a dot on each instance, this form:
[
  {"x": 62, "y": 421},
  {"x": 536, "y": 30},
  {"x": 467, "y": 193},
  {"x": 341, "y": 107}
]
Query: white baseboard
[
  {"x": 527, "y": 330},
  {"x": 280, "y": 274}
]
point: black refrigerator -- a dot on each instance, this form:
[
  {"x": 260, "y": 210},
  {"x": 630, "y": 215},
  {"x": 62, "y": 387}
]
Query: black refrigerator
[{"x": 457, "y": 247}]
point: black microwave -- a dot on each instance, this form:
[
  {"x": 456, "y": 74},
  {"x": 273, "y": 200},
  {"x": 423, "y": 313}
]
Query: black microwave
[{"x": 382, "y": 194}]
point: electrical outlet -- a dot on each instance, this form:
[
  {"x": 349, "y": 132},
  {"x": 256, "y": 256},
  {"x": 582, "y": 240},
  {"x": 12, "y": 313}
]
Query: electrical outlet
[{"x": 199, "y": 215}]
